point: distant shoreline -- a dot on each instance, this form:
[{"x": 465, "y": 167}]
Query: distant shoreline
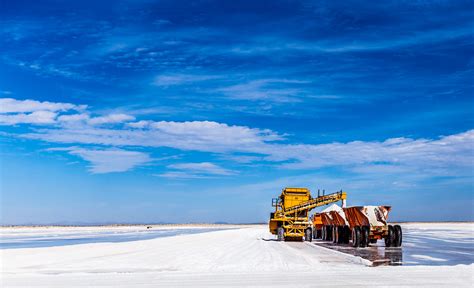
[
  {"x": 195, "y": 224},
  {"x": 132, "y": 225}
]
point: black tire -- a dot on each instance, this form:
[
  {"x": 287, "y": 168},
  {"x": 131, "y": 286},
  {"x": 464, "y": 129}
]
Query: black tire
[
  {"x": 330, "y": 236},
  {"x": 347, "y": 234},
  {"x": 356, "y": 236},
  {"x": 323, "y": 233},
  {"x": 315, "y": 234},
  {"x": 308, "y": 235},
  {"x": 334, "y": 234},
  {"x": 373, "y": 241},
  {"x": 280, "y": 234},
  {"x": 364, "y": 236},
  {"x": 398, "y": 236},
  {"x": 342, "y": 234},
  {"x": 389, "y": 239},
  {"x": 318, "y": 233}
]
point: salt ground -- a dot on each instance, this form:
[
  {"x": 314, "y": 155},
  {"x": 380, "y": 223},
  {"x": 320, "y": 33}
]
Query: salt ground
[
  {"x": 237, "y": 257},
  {"x": 32, "y": 237}
]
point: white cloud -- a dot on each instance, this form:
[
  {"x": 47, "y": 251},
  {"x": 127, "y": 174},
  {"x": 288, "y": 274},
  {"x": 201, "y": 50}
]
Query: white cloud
[
  {"x": 10, "y": 105},
  {"x": 178, "y": 79},
  {"x": 139, "y": 124},
  {"x": 110, "y": 119},
  {"x": 111, "y": 160},
  {"x": 447, "y": 155},
  {"x": 14, "y": 111},
  {"x": 206, "y": 168},
  {"x": 100, "y": 120},
  {"x": 453, "y": 153},
  {"x": 181, "y": 175},
  {"x": 73, "y": 118},
  {"x": 264, "y": 89},
  {"x": 37, "y": 117}
]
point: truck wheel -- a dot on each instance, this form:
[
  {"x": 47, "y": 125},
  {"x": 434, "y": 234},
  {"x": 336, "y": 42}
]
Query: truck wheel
[
  {"x": 315, "y": 234},
  {"x": 356, "y": 236},
  {"x": 308, "y": 235},
  {"x": 335, "y": 235},
  {"x": 398, "y": 236},
  {"x": 330, "y": 236},
  {"x": 364, "y": 236},
  {"x": 280, "y": 234},
  {"x": 389, "y": 239}
]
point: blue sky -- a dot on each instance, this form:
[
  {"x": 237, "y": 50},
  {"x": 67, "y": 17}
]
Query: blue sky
[{"x": 201, "y": 111}]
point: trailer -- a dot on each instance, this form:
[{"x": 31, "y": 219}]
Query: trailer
[
  {"x": 340, "y": 229},
  {"x": 369, "y": 224},
  {"x": 326, "y": 218}
]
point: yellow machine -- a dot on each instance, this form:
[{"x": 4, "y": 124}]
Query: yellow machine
[{"x": 290, "y": 219}]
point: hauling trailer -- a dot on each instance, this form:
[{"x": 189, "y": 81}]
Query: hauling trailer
[
  {"x": 359, "y": 226},
  {"x": 326, "y": 218},
  {"x": 340, "y": 228},
  {"x": 369, "y": 224},
  {"x": 290, "y": 221},
  {"x": 317, "y": 223}
]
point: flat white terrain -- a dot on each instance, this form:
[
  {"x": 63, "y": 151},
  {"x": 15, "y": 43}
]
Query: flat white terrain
[{"x": 247, "y": 256}]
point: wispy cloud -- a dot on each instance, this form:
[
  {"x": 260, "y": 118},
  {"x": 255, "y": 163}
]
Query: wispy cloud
[
  {"x": 179, "y": 79},
  {"x": 14, "y": 112},
  {"x": 37, "y": 117},
  {"x": 205, "y": 168},
  {"x": 448, "y": 153},
  {"x": 277, "y": 90},
  {"x": 10, "y": 105},
  {"x": 109, "y": 160}
]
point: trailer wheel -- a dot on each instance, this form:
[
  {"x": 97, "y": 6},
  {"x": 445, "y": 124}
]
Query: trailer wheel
[
  {"x": 347, "y": 234},
  {"x": 335, "y": 235},
  {"x": 308, "y": 235},
  {"x": 398, "y": 236},
  {"x": 344, "y": 234},
  {"x": 340, "y": 234},
  {"x": 364, "y": 236},
  {"x": 356, "y": 236},
  {"x": 330, "y": 234},
  {"x": 315, "y": 234},
  {"x": 389, "y": 239},
  {"x": 280, "y": 234}
]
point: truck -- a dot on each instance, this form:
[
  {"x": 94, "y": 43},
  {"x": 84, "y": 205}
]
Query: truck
[{"x": 290, "y": 220}]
